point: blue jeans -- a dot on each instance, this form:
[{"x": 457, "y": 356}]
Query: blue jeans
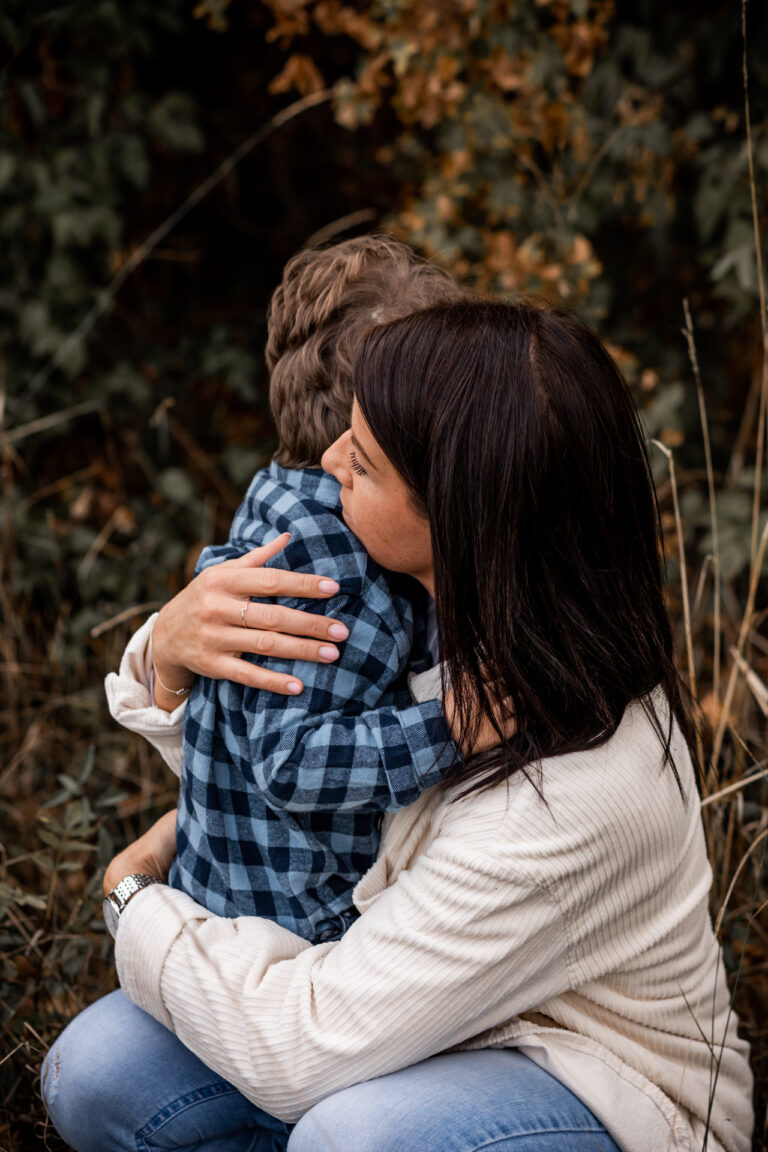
[{"x": 117, "y": 1081}]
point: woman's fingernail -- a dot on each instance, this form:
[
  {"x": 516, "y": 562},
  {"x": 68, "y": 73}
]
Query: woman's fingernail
[
  {"x": 327, "y": 653},
  {"x": 294, "y": 687},
  {"x": 328, "y": 586},
  {"x": 338, "y": 631}
]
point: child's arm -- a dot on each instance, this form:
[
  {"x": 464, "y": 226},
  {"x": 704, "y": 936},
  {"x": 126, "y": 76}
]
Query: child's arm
[
  {"x": 130, "y": 702},
  {"x": 338, "y": 745}
]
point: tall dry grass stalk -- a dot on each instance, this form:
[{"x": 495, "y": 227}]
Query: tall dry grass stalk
[
  {"x": 716, "y": 594},
  {"x": 732, "y": 723},
  {"x": 731, "y": 742}
]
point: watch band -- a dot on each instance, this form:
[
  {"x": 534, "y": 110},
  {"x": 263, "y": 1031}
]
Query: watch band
[{"x": 116, "y": 900}]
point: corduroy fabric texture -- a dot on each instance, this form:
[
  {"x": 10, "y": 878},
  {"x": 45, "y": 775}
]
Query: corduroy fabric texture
[{"x": 577, "y": 930}]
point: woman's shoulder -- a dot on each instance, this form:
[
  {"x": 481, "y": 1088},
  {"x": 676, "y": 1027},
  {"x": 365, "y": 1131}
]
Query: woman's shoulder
[
  {"x": 630, "y": 772},
  {"x": 608, "y": 840},
  {"x": 604, "y": 810}
]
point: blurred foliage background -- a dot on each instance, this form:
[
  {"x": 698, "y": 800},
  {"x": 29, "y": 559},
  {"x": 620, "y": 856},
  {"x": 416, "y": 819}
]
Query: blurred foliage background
[{"x": 597, "y": 157}]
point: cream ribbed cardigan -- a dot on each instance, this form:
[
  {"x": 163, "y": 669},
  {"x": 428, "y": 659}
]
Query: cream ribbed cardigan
[{"x": 576, "y": 930}]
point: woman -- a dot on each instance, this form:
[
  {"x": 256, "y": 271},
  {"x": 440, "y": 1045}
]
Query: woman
[{"x": 542, "y": 921}]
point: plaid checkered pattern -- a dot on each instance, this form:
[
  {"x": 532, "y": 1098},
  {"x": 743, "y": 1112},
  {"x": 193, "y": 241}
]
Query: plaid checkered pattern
[{"x": 282, "y": 797}]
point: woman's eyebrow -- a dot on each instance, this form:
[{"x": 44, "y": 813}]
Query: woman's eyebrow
[{"x": 363, "y": 453}]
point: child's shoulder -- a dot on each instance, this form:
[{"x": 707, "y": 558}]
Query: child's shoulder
[{"x": 305, "y": 502}]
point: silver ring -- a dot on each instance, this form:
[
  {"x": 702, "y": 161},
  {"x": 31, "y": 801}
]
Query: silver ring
[{"x": 243, "y": 611}]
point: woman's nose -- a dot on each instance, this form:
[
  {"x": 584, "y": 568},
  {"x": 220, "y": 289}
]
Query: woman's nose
[{"x": 336, "y": 459}]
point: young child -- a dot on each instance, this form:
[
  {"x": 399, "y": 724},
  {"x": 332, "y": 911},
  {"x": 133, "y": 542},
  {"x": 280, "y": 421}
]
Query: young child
[{"x": 281, "y": 798}]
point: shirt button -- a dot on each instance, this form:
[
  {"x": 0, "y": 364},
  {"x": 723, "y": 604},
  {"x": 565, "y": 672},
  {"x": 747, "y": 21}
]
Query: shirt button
[{"x": 327, "y": 930}]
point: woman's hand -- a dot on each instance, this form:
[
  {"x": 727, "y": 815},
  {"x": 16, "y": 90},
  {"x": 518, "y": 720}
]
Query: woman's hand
[
  {"x": 152, "y": 853},
  {"x": 200, "y": 631},
  {"x": 486, "y": 736}
]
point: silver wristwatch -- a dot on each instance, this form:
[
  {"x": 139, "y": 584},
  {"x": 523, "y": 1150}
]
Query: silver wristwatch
[{"x": 121, "y": 894}]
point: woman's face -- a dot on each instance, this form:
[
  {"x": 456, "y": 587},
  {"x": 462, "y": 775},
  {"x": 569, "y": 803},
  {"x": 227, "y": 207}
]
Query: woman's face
[{"x": 377, "y": 505}]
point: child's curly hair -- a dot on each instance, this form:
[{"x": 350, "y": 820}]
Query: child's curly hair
[{"x": 327, "y": 300}]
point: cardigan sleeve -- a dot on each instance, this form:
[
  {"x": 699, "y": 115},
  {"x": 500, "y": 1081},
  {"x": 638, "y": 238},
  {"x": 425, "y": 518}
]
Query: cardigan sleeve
[
  {"x": 130, "y": 701},
  {"x": 450, "y": 950}
]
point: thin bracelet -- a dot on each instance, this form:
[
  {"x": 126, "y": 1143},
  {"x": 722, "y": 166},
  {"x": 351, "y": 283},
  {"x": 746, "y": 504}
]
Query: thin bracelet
[{"x": 171, "y": 691}]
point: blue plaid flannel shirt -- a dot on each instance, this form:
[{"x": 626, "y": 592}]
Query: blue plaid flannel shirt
[{"x": 281, "y": 797}]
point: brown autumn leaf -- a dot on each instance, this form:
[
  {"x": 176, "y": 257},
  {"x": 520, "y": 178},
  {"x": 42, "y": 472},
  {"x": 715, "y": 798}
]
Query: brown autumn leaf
[
  {"x": 291, "y": 20},
  {"x": 579, "y": 42},
  {"x": 507, "y": 74},
  {"x": 335, "y": 19},
  {"x": 374, "y": 77},
  {"x": 300, "y": 72},
  {"x": 455, "y": 163}
]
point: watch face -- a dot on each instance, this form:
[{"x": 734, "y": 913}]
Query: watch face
[{"x": 111, "y": 917}]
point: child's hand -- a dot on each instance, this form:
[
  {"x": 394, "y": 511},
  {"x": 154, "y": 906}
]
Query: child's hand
[
  {"x": 151, "y": 854},
  {"x": 486, "y": 737},
  {"x": 210, "y": 623}
]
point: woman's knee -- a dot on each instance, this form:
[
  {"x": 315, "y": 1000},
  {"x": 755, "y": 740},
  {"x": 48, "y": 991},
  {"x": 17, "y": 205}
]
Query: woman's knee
[
  {"x": 105, "y": 1073},
  {"x": 459, "y": 1102},
  {"x": 78, "y": 1077},
  {"x": 386, "y": 1114},
  {"x": 117, "y": 1081}
]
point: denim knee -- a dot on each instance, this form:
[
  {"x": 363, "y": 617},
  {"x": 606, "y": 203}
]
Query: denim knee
[
  {"x": 76, "y": 1111},
  {"x": 323, "y": 1128},
  {"x": 118, "y": 1081},
  {"x": 457, "y": 1102},
  {"x": 95, "y": 1077},
  {"x": 350, "y": 1121}
]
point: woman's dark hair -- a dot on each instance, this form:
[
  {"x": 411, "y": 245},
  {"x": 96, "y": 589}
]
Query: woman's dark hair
[{"x": 517, "y": 437}]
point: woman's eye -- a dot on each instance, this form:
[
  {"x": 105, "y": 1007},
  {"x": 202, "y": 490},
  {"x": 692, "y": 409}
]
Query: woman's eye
[{"x": 356, "y": 465}]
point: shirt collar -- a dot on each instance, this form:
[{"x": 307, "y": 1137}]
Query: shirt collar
[{"x": 312, "y": 482}]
